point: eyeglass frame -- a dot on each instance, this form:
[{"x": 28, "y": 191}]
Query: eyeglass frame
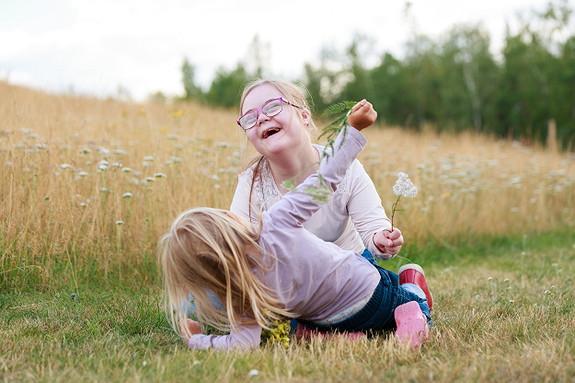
[{"x": 256, "y": 112}]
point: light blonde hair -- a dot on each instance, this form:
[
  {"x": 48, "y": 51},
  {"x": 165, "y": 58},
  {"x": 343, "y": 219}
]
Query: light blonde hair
[{"x": 204, "y": 252}]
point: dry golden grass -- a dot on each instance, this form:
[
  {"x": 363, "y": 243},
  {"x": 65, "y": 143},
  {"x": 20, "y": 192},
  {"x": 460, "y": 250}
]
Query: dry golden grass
[{"x": 88, "y": 185}]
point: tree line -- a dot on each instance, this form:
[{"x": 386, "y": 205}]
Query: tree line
[{"x": 452, "y": 83}]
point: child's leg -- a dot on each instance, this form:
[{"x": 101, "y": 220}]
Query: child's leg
[
  {"x": 367, "y": 255},
  {"x": 412, "y": 318},
  {"x": 412, "y": 326},
  {"x": 412, "y": 276}
]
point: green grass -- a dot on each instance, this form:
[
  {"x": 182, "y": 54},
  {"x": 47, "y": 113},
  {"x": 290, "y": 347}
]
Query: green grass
[{"x": 504, "y": 311}]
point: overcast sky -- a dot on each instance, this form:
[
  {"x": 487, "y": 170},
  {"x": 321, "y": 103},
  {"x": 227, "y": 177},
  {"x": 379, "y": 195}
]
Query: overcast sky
[{"x": 96, "y": 46}]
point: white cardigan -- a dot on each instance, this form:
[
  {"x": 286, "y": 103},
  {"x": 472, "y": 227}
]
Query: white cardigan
[{"x": 350, "y": 219}]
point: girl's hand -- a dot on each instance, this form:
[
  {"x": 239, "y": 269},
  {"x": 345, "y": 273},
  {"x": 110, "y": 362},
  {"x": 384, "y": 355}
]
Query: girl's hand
[
  {"x": 362, "y": 115},
  {"x": 190, "y": 327},
  {"x": 388, "y": 242}
]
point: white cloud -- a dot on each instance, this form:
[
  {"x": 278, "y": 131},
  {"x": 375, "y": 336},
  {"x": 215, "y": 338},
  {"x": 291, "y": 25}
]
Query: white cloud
[{"x": 96, "y": 46}]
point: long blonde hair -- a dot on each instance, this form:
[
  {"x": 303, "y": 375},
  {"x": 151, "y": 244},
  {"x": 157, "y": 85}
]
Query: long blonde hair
[{"x": 204, "y": 252}]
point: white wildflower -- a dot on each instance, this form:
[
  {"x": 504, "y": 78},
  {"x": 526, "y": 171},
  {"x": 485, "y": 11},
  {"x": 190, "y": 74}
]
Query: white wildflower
[
  {"x": 127, "y": 195},
  {"x": 253, "y": 373},
  {"x": 119, "y": 223},
  {"x": 403, "y": 186}
]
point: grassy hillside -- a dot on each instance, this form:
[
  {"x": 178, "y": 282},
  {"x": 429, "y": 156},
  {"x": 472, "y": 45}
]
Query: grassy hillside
[{"x": 87, "y": 186}]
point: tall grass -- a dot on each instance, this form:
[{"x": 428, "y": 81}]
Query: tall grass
[{"x": 87, "y": 186}]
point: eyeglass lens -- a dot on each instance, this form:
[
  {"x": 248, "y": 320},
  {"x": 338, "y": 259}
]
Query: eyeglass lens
[{"x": 270, "y": 109}]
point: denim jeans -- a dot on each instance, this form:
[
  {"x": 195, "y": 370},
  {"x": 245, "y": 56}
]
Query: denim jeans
[{"x": 378, "y": 312}]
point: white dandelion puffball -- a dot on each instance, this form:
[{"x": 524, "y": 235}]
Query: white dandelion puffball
[{"x": 403, "y": 186}]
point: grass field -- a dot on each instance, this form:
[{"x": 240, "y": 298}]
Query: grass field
[{"x": 87, "y": 186}]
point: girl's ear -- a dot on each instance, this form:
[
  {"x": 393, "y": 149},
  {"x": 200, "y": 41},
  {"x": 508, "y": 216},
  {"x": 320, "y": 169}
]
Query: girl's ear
[{"x": 306, "y": 116}]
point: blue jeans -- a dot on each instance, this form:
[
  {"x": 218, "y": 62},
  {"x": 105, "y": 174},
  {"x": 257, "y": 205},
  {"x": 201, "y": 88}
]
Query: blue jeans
[
  {"x": 378, "y": 312},
  {"x": 367, "y": 255}
]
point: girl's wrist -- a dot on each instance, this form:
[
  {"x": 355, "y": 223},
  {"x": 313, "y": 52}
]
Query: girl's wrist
[{"x": 376, "y": 245}]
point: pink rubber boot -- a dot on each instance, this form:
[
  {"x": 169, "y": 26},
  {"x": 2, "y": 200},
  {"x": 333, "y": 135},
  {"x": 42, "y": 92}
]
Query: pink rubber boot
[{"x": 411, "y": 324}]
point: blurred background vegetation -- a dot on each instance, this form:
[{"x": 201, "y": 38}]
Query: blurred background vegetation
[{"x": 452, "y": 83}]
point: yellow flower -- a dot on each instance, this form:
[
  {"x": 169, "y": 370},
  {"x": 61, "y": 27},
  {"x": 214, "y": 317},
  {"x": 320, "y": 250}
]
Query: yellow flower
[{"x": 279, "y": 333}]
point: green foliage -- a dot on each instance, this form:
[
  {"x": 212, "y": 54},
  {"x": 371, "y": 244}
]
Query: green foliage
[
  {"x": 331, "y": 131},
  {"x": 226, "y": 87},
  {"x": 452, "y": 83},
  {"x": 192, "y": 91}
]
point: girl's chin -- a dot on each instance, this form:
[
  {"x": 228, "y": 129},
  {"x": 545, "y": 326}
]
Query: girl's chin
[{"x": 275, "y": 145}]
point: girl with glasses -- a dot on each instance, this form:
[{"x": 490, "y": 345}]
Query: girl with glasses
[
  {"x": 280, "y": 269},
  {"x": 277, "y": 121}
]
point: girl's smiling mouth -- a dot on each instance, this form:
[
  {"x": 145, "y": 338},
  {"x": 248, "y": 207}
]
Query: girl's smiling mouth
[{"x": 270, "y": 132}]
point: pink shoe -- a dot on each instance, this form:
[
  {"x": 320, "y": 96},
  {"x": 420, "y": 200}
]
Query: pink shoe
[
  {"x": 412, "y": 273},
  {"x": 411, "y": 324},
  {"x": 306, "y": 333}
]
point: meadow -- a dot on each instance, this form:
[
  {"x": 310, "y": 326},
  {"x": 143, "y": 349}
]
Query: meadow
[{"x": 87, "y": 186}]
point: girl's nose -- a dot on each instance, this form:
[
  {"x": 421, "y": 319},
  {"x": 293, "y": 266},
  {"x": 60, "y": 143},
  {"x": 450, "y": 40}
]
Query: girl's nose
[{"x": 262, "y": 117}]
